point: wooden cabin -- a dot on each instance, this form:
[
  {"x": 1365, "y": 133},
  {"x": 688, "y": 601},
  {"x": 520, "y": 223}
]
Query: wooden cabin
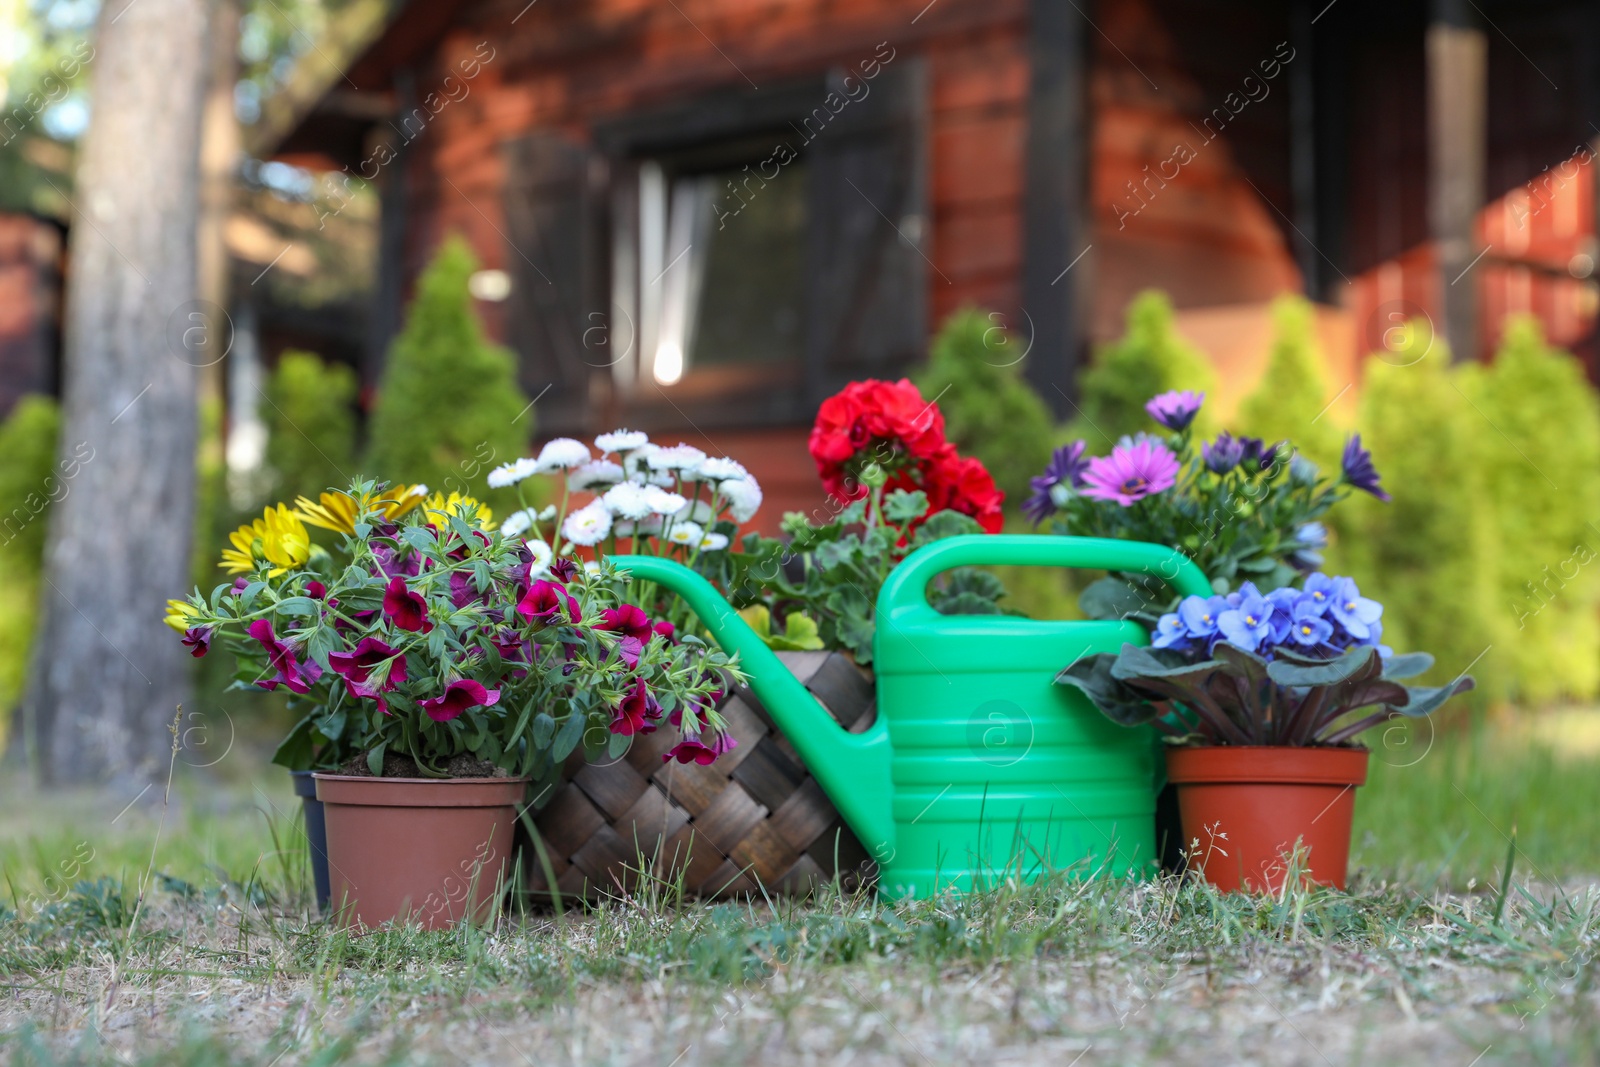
[{"x": 700, "y": 217}]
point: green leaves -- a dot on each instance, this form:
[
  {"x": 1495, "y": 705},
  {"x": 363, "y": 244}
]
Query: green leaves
[{"x": 1240, "y": 698}]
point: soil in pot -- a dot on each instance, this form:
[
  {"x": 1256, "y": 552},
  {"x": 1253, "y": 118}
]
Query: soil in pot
[
  {"x": 1247, "y": 808},
  {"x": 433, "y": 851}
]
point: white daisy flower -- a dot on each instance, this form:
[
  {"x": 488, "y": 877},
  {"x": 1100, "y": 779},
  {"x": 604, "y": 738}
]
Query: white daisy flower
[
  {"x": 744, "y": 498},
  {"x": 720, "y": 470},
  {"x": 627, "y": 501},
  {"x": 541, "y": 558},
  {"x": 650, "y": 526},
  {"x": 624, "y": 527},
  {"x": 518, "y": 522},
  {"x": 548, "y": 513},
  {"x": 679, "y": 457},
  {"x": 636, "y": 462},
  {"x": 663, "y": 502},
  {"x": 596, "y": 472},
  {"x": 563, "y": 454},
  {"x": 588, "y": 525},
  {"x": 591, "y": 567},
  {"x": 513, "y": 472},
  {"x": 621, "y": 440},
  {"x": 685, "y": 533},
  {"x": 699, "y": 511},
  {"x": 713, "y": 542}
]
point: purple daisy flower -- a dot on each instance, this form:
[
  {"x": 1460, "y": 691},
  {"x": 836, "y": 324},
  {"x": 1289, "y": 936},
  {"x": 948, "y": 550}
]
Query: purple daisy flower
[
  {"x": 1066, "y": 468},
  {"x": 1359, "y": 472},
  {"x": 1175, "y": 409},
  {"x": 1131, "y": 472},
  {"x": 1223, "y": 454}
]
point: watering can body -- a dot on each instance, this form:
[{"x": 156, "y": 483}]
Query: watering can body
[{"x": 979, "y": 767}]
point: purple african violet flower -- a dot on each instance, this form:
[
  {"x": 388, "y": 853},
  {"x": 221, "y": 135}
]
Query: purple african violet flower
[
  {"x": 1065, "y": 468},
  {"x": 1249, "y": 624},
  {"x": 1131, "y": 473},
  {"x": 1199, "y": 614},
  {"x": 1175, "y": 409},
  {"x": 1354, "y": 612},
  {"x": 1171, "y": 632},
  {"x": 1359, "y": 473},
  {"x": 1223, "y": 454}
]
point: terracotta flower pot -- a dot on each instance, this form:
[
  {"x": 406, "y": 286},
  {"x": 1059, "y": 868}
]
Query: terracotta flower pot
[
  {"x": 428, "y": 850},
  {"x": 1248, "y": 805}
]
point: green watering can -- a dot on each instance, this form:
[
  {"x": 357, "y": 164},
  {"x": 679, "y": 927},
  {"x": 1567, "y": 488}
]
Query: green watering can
[{"x": 979, "y": 767}]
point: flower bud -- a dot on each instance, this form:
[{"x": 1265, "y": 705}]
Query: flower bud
[{"x": 873, "y": 476}]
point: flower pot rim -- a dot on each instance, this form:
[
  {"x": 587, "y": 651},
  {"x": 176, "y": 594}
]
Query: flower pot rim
[
  {"x": 1268, "y": 764},
  {"x": 419, "y": 792}
]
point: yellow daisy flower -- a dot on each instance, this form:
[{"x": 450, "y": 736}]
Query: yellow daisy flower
[
  {"x": 279, "y": 537},
  {"x": 339, "y": 511},
  {"x": 439, "y": 508},
  {"x": 179, "y": 612}
]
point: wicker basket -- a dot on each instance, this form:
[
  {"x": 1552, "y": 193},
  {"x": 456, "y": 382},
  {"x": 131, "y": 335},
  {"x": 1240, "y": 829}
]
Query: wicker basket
[{"x": 755, "y": 820}]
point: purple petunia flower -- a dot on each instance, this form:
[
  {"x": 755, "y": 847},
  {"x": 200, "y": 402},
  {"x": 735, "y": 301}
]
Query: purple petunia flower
[
  {"x": 1175, "y": 409},
  {"x": 1223, "y": 454},
  {"x": 1131, "y": 472},
  {"x": 1065, "y": 468},
  {"x": 1359, "y": 473},
  {"x": 458, "y": 696}
]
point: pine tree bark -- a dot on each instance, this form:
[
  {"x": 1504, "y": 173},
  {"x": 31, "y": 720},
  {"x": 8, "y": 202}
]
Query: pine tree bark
[{"x": 106, "y": 675}]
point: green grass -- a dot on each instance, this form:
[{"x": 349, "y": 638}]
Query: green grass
[{"x": 209, "y": 953}]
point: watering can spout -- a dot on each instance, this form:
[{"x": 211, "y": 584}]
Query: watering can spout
[{"x": 853, "y": 769}]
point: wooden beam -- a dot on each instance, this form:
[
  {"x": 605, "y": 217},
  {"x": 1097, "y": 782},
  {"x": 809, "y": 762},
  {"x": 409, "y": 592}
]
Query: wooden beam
[
  {"x": 1056, "y": 259},
  {"x": 1458, "y": 65}
]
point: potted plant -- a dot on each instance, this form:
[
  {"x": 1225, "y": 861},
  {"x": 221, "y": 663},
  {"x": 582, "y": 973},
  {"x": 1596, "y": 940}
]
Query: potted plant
[
  {"x": 447, "y": 664},
  {"x": 1262, "y": 698}
]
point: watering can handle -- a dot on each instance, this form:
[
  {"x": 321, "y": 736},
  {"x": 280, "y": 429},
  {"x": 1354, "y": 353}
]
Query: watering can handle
[{"x": 906, "y": 588}]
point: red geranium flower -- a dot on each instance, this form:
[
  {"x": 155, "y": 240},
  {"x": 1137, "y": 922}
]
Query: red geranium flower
[
  {"x": 458, "y": 696},
  {"x": 872, "y": 421},
  {"x": 964, "y": 484},
  {"x": 407, "y": 608}
]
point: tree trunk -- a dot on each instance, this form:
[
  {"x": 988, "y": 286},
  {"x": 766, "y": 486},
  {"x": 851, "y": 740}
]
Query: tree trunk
[{"x": 106, "y": 674}]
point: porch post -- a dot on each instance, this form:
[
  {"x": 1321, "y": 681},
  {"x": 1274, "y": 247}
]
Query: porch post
[
  {"x": 1457, "y": 57},
  {"x": 1055, "y": 257}
]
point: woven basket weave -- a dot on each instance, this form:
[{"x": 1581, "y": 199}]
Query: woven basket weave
[{"x": 754, "y": 820}]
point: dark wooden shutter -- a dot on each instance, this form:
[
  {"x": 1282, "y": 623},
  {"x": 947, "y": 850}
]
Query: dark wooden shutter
[
  {"x": 554, "y": 204},
  {"x": 866, "y": 276}
]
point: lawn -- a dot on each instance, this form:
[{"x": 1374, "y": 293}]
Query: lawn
[{"x": 182, "y": 936}]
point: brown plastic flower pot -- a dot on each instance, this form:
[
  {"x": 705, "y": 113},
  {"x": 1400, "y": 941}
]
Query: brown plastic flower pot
[
  {"x": 1245, "y": 809},
  {"x": 432, "y": 851}
]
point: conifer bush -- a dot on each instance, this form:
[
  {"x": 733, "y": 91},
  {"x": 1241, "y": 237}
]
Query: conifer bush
[
  {"x": 29, "y": 478},
  {"x": 449, "y": 408},
  {"x": 1289, "y": 402},
  {"x": 311, "y": 425},
  {"x": 990, "y": 411},
  {"x": 1433, "y": 552},
  {"x": 1149, "y": 358},
  {"x": 1539, "y": 420}
]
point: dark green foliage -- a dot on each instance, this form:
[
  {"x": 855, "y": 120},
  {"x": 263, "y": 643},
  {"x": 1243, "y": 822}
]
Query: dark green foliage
[
  {"x": 449, "y": 407},
  {"x": 989, "y": 410},
  {"x": 311, "y": 425},
  {"x": 1539, "y": 420},
  {"x": 842, "y": 564},
  {"x": 1290, "y": 400},
  {"x": 1150, "y": 358}
]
